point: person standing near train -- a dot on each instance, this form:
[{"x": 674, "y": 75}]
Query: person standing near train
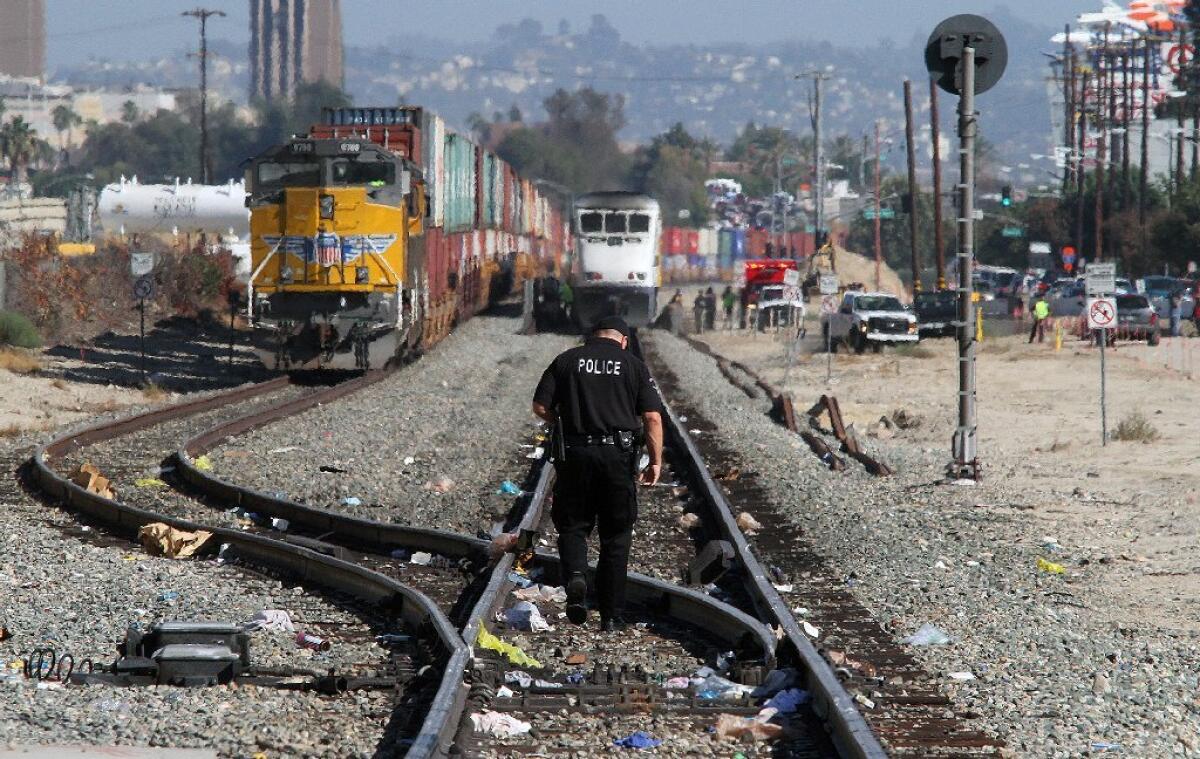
[{"x": 601, "y": 400}]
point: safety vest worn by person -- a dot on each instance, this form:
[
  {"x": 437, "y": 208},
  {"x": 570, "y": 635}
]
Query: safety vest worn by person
[{"x": 1041, "y": 309}]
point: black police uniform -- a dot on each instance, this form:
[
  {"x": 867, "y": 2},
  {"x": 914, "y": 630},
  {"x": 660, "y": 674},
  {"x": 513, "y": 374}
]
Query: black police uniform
[{"x": 599, "y": 391}]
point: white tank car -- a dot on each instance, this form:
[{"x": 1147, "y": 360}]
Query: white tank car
[
  {"x": 616, "y": 264},
  {"x": 129, "y": 207}
]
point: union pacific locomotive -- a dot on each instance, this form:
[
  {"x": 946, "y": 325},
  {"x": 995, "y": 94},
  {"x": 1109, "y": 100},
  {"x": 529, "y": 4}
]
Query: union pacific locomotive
[{"x": 379, "y": 230}]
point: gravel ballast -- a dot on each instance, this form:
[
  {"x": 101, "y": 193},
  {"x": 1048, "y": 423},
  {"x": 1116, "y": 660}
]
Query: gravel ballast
[
  {"x": 454, "y": 421},
  {"x": 1052, "y": 677},
  {"x": 76, "y": 592}
]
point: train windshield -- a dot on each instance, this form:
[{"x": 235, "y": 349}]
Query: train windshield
[
  {"x": 273, "y": 175},
  {"x": 639, "y": 223},
  {"x": 591, "y": 222},
  {"x": 616, "y": 223},
  {"x": 352, "y": 172}
]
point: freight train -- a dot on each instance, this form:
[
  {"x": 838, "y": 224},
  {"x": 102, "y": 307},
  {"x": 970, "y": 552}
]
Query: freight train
[
  {"x": 379, "y": 230},
  {"x": 616, "y": 265}
]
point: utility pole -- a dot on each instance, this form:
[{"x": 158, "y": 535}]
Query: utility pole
[
  {"x": 1100, "y": 156},
  {"x": 1144, "y": 179},
  {"x": 1082, "y": 154},
  {"x": 203, "y": 14},
  {"x": 878, "y": 213},
  {"x": 936, "y": 133},
  {"x": 1069, "y": 88},
  {"x": 912, "y": 187},
  {"x": 1179, "y": 108},
  {"x": 1126, "y": 103},
  {"x": 819, "y": 155}
]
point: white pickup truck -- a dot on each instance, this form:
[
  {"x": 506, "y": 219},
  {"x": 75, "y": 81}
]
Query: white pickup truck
[{"x": 869, "y": 319}]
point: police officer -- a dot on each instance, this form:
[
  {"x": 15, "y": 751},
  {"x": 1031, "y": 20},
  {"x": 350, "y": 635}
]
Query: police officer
[{"x": 604, "y": 398}]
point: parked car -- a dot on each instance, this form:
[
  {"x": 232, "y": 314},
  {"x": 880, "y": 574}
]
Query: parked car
[
  {"x": 869, "y": 320},
  {"x": 1137, "y": 319},
  {"x": 773, "y": 304},
  {"x": 936, "y": 313}
]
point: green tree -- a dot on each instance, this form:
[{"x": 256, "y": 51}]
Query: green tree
[
  {"x": 672, "y": 169},
  {"x": 129, "y": 112},
  {"x": 19, "y": 143},
  {"x": 65, "y": 119}
]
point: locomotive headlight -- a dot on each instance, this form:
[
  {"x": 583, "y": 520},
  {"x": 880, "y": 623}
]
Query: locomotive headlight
[
  {"x": 326, "y": 204},
  {"x": 362, "y": 275}
]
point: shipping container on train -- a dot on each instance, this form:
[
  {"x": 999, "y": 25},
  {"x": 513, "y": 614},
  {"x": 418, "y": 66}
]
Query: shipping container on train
[{"x": 373, "y": 235}]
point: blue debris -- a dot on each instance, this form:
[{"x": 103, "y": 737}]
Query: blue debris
[
  {"x": 521, "y": 581},
  {"x": 508, "y": 487},
  {"x": 637, "y": 740}
]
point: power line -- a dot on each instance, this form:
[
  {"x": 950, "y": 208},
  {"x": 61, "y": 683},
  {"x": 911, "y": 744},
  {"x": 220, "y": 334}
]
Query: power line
[
  {"x": 152, "y": 21},
  {"x": 202, "y": 14}
]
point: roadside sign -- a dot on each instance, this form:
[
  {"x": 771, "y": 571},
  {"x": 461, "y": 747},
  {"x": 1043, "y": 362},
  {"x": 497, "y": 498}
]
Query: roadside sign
[
  {"x": 1039, "y": 248},
  {"x": 140, "y": 264},
  {"x": 791, "y": 292},
  {"x": 791, "y": 278},
  {"x": 1101, "y": 313},
  {"x": 1012, "y": 232},
  {"x": 143, "y": 287},
  {"x": 884, "y": 213},
  {"x": 828, "y": 284},
  {"x": 829, "y": 304},
  {"x": 1101, "y": 279}
]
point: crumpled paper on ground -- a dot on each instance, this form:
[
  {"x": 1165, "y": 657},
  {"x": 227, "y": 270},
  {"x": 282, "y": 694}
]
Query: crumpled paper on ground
[
  {"x": 499, "y": 725},
  {"x": 526, "y": 616},
  {"x": 272, "y": 619},
  {"x": 163, "y": 540},
  {"x": 747, "y": 523},
  {"x": 88, "y": 477},
  {"x": 515, "y": 655},
  {"x": 543, "y": 593}
]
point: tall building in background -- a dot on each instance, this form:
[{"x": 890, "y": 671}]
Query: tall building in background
[
  {"x": 23, "y": 38},
  {"x": 293, "y": 41}
]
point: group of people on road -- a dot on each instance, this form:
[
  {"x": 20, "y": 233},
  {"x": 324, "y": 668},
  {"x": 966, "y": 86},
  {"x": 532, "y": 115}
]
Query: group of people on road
[{"x": 704, "y": 307}]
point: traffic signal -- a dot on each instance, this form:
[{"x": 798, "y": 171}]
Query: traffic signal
[{"x": 1006, "y": 195}]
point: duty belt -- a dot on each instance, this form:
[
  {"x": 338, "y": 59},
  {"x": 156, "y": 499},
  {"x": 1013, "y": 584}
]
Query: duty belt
[{"x": 574, "y": 441}]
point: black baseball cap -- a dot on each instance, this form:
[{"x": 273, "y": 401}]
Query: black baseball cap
[{"x": 615, "y": 323}]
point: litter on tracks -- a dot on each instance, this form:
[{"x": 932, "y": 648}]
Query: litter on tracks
[
  {"x": 88, "y": 477},
  {"x": 1050, "y": 566},
  {"x": 498, "y": 724},
  {"x": 203, "y": 463},
  {"x": 351, "y": 501},
  {"x": 639, "y": 740},
  {"x": 811, "y": 630},
  {"x": 285, "y": 449},
  {"x": 929, "y": 635},
  {"x": 747, "y": 523},
  {"x": 161, "y": 539},
  {"x": 788, "y": 701},
  {"x": 439, "y": 485},
  {"x": 508, "y": 487},
  {"x": 526, "y": 616},
  {"x": 536, "y": 453},
  {"x": 962, "y": 676},
  {"x": 271, "y": 619},
  {"x": 421, "y": 558},
  {"x": 149, "y": 482},
  {"x": 515, "y": 655},
  {"x": 330, "y": 469},
  {"x": 523, "y": 679},
  {"x": 755, "y": 728},
  {"x": 543, "y": 593}
]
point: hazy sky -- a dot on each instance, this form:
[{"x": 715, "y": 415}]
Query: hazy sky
[{"x": 134, "y": 29}]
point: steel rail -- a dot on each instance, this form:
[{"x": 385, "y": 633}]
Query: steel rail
[{"x": 415, "y": 609}]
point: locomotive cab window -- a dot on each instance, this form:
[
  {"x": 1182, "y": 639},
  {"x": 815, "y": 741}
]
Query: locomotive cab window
[
  {"x": 272, "y": 175},
  {"x": 351, "y": 172},
  {"x": 639, "y": 223},
  {"x": 591, "y": 222},
  {"x": 616, "y": 223}
]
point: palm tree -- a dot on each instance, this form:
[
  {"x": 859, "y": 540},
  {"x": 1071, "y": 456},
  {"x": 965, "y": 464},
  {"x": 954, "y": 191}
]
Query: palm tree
[
  {"x": 20, "y": 144},
  {"x": 65, "y": 118}
]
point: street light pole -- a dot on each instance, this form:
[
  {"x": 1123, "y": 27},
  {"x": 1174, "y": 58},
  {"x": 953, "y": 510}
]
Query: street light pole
[
  {"x": 912, "y": 187},
  {"x": 203, "y": 14},
  {"x": 878, "y": 213}
]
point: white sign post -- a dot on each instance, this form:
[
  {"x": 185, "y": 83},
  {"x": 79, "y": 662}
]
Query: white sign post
[
  {"x": 1101, "y": 317},
  {"x": 140, "y": 264},
  {"x": 1100, "y": 279},
  {"x": 828, "y": 285}
]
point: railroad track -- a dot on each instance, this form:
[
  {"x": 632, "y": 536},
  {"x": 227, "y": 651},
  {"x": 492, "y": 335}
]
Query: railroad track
[
  {"x": 679, "y": 628},
  {"x": 905, "y": 705}
]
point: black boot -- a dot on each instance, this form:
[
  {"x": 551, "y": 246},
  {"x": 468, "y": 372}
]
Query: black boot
[{"x": 577, "y": 599}]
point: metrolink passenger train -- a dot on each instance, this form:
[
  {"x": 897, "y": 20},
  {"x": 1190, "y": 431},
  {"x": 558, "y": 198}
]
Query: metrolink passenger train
[
  {"x": 616, "y": 265},
  {"x": 377, "y": 232}
]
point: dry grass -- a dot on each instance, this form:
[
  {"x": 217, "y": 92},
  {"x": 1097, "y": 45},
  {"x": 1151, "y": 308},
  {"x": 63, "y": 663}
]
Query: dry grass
[
  {"x": 915, "y": 351},
  {"x": 1135, "y": 428},
  {"x": 19, "y": 361},
  {"x": 153, "y": 392},
  {"x": 58, "y": 384},
  {"x": 11, "y": 430}
]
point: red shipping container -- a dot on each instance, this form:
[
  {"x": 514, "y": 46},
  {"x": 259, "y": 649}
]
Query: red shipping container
[
  {"x": 691, "y": 242},
  {"x": 756, "y": 243},
  {"x": 402, "y": 139}
]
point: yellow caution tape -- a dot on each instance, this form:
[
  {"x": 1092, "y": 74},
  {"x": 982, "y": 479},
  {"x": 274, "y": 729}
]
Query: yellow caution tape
[
  {"x": 150, "y": 482},
  {"x": 513, "y": 653},
  {"x": 204, "y": 463},
  {"x": 1050, "y": 566}
]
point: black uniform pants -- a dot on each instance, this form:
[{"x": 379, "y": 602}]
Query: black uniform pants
[{"x": 596, "y": 487}]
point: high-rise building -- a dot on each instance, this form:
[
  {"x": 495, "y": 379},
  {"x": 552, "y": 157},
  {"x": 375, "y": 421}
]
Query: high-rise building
[
  {"x": 293, "y": 41},
  {"x": 23, "y": 38}
]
